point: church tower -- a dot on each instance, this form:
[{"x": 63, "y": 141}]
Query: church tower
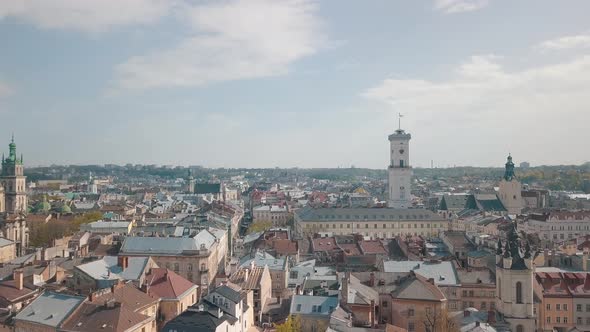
[
  {"x": 514, "y": 283},
  {"x": 190, "y": 182},
  {"x": 14, "y": 181},
  {"x": 400, "y": 172},
  {"x": 510, "y": 190}
]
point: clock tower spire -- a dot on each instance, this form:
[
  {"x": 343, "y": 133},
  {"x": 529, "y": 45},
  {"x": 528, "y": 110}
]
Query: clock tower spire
[{"x": 400, "y": 171}]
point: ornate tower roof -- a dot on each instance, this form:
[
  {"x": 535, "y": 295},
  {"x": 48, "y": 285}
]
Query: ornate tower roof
[
  {"x": 12, "y": 158},
  {"x": 509, "y": 169}
]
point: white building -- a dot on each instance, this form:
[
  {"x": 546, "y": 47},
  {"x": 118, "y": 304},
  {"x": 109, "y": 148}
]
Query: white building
[
  {"x": 400, "y": 171},
  {"x": 558, "y": 226},
  {"x": 278, "y": 215}
]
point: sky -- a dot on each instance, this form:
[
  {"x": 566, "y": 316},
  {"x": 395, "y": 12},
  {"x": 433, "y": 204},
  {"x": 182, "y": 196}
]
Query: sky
[{"x": 295, "y": 83}]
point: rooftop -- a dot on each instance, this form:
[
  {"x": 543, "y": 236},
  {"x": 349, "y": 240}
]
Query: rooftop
[{"x": 443, "y": 272}]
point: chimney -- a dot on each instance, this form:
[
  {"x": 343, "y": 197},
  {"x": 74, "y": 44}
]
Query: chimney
[
  {"x": 466, "y": 313},
  {"x": 372, "y": 279},
  {"x": 123, "y": 262},
  {"x": 18, "y": 278},
  {"x": 91, "y": 296}
]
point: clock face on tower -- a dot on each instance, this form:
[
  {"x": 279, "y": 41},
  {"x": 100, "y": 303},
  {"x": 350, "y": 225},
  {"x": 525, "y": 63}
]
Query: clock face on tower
[{"x": 401, "y": 151}]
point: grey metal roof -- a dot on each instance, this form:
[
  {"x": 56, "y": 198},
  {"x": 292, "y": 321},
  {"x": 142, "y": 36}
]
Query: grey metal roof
[
  {"x": 262, "y": 258},
  {"x": 228, "y": 293},
  {"x": 50, "y": 309},
  {"x": 304, "y": 304},
  {"x": 99, "y": 270},
  {"x": 366, "y": 214},
  {"x": 5, "y": 242},
  {"x": 443, "y": 273},
  {"x": 167, "y": 245}
]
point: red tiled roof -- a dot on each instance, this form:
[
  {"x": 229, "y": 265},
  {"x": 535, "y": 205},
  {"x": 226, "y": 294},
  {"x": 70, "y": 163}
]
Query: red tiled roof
[
  {"x": 164, "y": 283},
  {"x": 372, "y": 247},
  {"x": 9, "y": 293},
  {"x": 285, "y": 247},
  {"x": 324, "y": 244}
]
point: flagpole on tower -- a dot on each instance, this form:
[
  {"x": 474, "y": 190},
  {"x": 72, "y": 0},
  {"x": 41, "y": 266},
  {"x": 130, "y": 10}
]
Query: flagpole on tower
[{"x": 399, "y": 121}]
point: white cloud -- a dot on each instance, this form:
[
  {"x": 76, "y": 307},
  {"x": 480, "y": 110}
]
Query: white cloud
[
  {"x": 86, "y": 15},
  {"x": 567, "y": 42},
  {"x": 459, "y": 6},
  {"x": 540, "y": 112},
  {"x": 239, "y": 39}
]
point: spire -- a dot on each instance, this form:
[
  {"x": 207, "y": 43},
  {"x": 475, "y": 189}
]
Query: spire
[
  {"x": 507, "y": 250},
  {"x": 527, "y": 252},
  {"x": 509, "y": 169},
  {"x": 499, "y": 247}
]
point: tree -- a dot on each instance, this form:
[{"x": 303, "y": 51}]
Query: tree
[
  {"x": 292, "y": 324},
  {"x": 437, "y": 319},
  {"x": 259, "y": 227}
]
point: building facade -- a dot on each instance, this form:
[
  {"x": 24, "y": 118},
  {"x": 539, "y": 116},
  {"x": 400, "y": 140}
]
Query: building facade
[{"x": 375, "y": 223}]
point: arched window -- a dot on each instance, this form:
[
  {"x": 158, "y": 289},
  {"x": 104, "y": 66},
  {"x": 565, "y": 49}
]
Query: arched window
[
  {"x": 519, "y": 328},
  {"x": 519, "y": 293}
]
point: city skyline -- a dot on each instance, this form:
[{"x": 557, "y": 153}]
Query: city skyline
[{"x": 320, "y": 85}]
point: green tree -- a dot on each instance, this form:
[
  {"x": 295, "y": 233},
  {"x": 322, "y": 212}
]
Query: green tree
[
  {"x": 292, "y": 324},
  {"x": 259, "y": 226}
]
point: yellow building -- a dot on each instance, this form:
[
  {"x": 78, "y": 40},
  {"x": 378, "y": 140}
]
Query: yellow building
[{"x": 372, "y": 222}]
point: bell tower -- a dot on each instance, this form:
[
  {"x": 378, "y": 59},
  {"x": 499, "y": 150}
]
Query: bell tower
[
  {"x": 14, "y": 181},
  {"x": 510, "y": 190},
  {"x": 400, "y": 171}
]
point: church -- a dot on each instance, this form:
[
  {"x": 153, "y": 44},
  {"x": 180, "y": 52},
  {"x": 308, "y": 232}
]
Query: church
[{"x": 13, "y": 200}]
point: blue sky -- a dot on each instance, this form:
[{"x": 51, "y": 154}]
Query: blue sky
[{"x": 265, "y": 83}]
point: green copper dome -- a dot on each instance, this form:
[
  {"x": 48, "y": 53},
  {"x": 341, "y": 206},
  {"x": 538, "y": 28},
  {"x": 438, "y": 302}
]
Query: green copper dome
[
  {"x": 65, "y": 209},
  {"x": 43, "y": 206}
]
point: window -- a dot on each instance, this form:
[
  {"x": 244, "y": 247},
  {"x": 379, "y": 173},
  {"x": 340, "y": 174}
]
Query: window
[
  {"x": 189, "y": 267},
  {"x": 298, "y": 307},
  {"x": 366, "y": 225},
  {"x": 319, "y": 308},
  {"x": 519, "y": 328},
  {"x": 347, "y": 225},
  {"x": 548, "y": 320},
  {"x": 493, "y": 305},
  {"x": 484, "y": 306},
  {"x": 293, "y": 274},
  {"x": 176, "y": 267},
  {"x": 410, "y": 312},
  {"x": 579, "y": 321},
  {"x": 384, "y": 304},
  {"x": 519, "y": 292},
  {"x": 411, "y": 326},
  {"x": 548, "y": 307},
  {"x": 565, "y": 307},
  {"x": 500, "y": 287},
  {"x": 558, "y": 307},
  {"x": 314, "y": 308},
  {"x": 587, "y": 307},
  {"x": 465, "y": 293},
  {"x": 579, "y": 308},
  {"x": 558, "y": 320},
  {"x": 587, "y": 320},
  {"x": 565, "y": 320}
]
